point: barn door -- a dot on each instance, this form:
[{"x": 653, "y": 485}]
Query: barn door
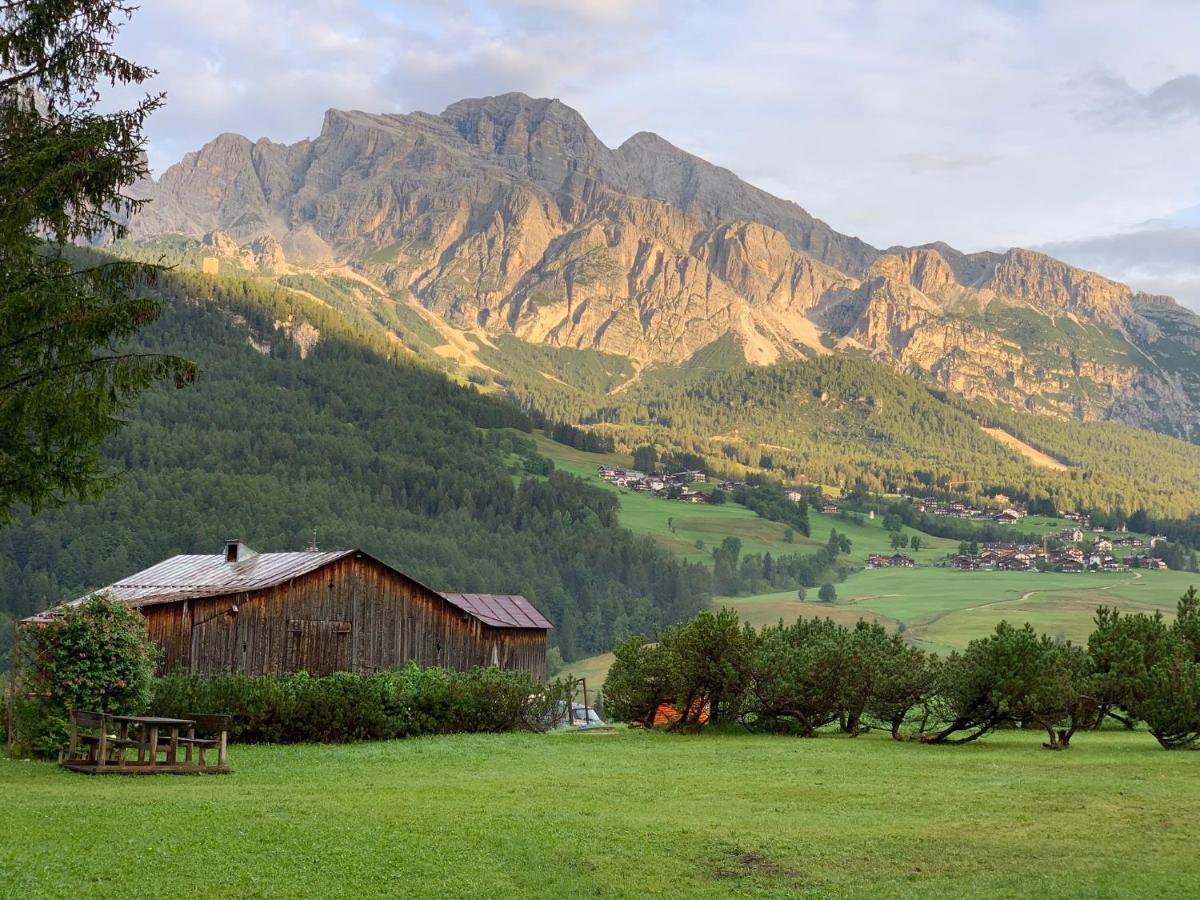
[
  {"x": 318, "y": 647},
  {"x": 214, "y": 645}
]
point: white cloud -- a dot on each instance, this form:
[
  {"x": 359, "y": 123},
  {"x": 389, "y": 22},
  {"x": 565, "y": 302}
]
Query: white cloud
[{"x": 1117, "y": 104}]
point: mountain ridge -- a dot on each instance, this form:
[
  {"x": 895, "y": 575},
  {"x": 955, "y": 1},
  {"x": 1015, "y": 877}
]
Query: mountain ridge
[{"x": 508, "y": 215}]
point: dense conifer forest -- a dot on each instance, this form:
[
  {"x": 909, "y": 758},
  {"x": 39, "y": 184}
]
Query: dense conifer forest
[
  {"x": 843, "y": 420},
  {"x": 352, "y": 437}
]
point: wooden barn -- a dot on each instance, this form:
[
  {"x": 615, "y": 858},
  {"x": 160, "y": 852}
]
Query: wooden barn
[{"x": 320, "y": 612}]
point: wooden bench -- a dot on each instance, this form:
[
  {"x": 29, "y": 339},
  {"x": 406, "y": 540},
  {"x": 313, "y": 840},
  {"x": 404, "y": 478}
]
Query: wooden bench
[
  {"x": 208, "y": 731},
  {"x": 93, "y": 743}
]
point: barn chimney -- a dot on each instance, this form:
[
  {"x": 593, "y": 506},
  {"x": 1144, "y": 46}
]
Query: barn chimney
[{"x": 236, "y": 552}]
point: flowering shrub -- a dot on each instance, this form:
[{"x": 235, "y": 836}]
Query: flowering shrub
[{"x": 96, "y": 656}]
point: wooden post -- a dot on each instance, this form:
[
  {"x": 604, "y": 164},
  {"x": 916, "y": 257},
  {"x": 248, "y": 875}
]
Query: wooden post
[
  {"x": 173, "y": 746},
  {"x": 102, "y": 744},
  {"x": 587, "y": 718},
  {"x": 221, "y": 749},
  {"x": 74, "y": 742}
]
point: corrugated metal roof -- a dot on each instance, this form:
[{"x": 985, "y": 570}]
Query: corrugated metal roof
[
  {"x": 191, "y": 576},
  {"x": 500, "y": 610}
]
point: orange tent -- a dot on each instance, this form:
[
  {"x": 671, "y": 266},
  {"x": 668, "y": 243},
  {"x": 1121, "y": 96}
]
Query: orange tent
[{"x": 666, "y": 714}]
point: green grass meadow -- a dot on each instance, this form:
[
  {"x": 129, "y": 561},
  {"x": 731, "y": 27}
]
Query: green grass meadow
[
  {"x": 941, "y": 609},
  {"x": 678, "y": 526},
  {"x": 946, "y": 608},
  {"x": 623, "y": 815}
]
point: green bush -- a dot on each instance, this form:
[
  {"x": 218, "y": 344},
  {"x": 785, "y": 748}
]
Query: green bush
[
  {"x": 700, "y": 668},
  {"x": 96, "y": 656},
  {"x": 1150, "y": 670},
  {"x": 807, "y": 676},
  {"x": 345, "y": 706}
]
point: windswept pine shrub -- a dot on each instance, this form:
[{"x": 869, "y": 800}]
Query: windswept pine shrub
[
  {"x": 346, "y": 706},
  {"x": 701, "y": 667},
  {"x": 1150, "y": 670},
  {"x": 807, "y": 676},
  {"x": 638, "y": 681},
  {"x": 799, "y": 675},
  {"x": 1014, "y": 675}
]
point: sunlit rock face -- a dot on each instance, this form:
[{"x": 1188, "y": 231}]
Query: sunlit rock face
[{"x": 508, "y": 214}]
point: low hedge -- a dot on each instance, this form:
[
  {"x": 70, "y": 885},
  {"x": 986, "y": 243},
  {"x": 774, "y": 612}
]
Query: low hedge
[{"x": 342, "y": 707}]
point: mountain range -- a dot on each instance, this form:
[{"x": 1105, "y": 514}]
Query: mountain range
[{"x": 507, "y": 216}]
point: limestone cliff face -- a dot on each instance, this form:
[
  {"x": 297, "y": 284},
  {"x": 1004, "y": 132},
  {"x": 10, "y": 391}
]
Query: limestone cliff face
[
  {"x": 1018, "y": 328},
  {"x": 918, "y": 267},
  {"x": 507, "y": 214},
  {"x": 1055, "y": 287}
]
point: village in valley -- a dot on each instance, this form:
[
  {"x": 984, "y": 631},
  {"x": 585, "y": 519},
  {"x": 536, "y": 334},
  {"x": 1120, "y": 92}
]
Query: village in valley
[
  {"x": 677, "y": 486},
  {"x": 1075, "y": 548}
]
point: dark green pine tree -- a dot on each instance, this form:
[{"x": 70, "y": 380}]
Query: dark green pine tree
[{"x": 65, "y": 372}]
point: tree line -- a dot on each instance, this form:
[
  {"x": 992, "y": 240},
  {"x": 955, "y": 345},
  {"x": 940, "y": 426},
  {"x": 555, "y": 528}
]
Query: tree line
[
  {"x": 840, "y": 420},
  {"x": 816, "y": 674},
  {"x": 369, "y": 447},
  {"x": 757, "y": 573}
]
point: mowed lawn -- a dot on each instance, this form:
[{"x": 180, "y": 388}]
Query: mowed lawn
[{"x": 629, "y": 814}]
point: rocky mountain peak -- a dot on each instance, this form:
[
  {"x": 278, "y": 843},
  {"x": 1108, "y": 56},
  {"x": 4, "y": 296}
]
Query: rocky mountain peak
[
  {"x": 1054, "y": 286},
  {"x": 544, "y": 138},
  {"x": 920, "y": 267},
  {"x": 487, "y": 121},
  {"x": 507, "y": 214}
]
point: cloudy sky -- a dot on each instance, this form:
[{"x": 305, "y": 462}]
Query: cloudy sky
[{"x": 1070, "y": 125}]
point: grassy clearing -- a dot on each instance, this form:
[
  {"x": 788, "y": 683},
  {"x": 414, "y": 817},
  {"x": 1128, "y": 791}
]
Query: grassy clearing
[
  {"x": 944, "y": 608},
  {"x": 768, "y": 609},
  {"x": 1035, "y": 456},
  {"x": 941, "y": 609},
  {"x": 630, "y": 814},
  {"x": 678, "y": 526}
]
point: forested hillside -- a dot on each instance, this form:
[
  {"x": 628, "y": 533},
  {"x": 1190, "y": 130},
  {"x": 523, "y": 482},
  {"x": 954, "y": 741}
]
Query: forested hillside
[
  {"x": 842, "y": 420},
  {"x": 300, "y": 422},
  {"x": 834, "y": 419}
]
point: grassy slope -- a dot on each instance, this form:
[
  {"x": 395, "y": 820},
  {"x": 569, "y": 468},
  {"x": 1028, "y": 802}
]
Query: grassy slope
[
  {"x": 574, "y": 815},
  {"x": 942, "y": 609},
  {"x": 647, "y": 514}
]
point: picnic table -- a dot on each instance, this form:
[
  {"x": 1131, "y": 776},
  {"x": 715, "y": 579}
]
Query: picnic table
[
  {"x": 102, "y": 743},
  {"x": 150, "y": 726}
]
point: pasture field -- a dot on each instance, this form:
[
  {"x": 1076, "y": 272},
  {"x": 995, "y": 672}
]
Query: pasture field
[
  {"x": 943, "y": 609},
  {"x": 678, "y": 526},
  {"x": 620, "y": 815}
]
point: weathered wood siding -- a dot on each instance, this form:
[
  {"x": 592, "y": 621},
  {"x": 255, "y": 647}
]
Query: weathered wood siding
[{"x": 352, "y": 615}]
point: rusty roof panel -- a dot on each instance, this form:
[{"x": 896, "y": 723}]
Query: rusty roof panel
[
  {"x": 500, "y": 610},
  {"x": 189, "y": 576},
  {"x": 193, "y": 576}
]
